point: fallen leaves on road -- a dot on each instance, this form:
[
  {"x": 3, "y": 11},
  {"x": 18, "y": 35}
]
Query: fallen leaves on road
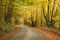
[{"x": 48, "y": 34}]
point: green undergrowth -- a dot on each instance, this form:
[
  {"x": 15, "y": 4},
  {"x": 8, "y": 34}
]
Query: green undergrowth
[{"x": 4, "y": 29}]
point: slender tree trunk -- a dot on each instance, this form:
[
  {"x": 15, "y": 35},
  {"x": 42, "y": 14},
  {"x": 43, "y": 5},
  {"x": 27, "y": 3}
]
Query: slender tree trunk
[{"x": 8, "y": 14}]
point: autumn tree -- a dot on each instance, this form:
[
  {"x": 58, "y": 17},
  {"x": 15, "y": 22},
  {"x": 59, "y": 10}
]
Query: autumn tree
[
  {"x": 50, "y": 14},
  {"x": 8, "y": 12}
]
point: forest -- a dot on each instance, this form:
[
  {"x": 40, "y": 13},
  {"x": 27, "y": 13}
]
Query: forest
[{"x": 33, "y": 13}]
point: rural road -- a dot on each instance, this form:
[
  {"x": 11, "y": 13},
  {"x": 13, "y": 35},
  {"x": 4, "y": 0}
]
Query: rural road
[{"x": 26, "y": 34}]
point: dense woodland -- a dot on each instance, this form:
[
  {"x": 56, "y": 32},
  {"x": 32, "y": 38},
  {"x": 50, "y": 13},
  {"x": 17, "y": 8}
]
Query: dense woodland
[{"x": 35, "y": 13}]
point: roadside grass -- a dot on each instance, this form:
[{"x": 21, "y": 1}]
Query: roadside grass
[{"x": 6, "y": 29}]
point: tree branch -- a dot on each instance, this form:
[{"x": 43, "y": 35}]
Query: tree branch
[{"x": 43, "y": 11}]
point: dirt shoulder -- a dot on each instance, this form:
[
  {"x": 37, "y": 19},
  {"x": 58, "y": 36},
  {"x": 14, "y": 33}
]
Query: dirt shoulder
[{"x": 50, "y": 35}]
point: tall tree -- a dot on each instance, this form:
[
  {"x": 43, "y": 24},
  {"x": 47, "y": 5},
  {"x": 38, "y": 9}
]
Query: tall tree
[
  {"x": 8, "y": 12},
  {"x": 50, "y": 14}
]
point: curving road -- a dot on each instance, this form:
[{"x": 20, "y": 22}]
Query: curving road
[{"x": 26, "y": 34}]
